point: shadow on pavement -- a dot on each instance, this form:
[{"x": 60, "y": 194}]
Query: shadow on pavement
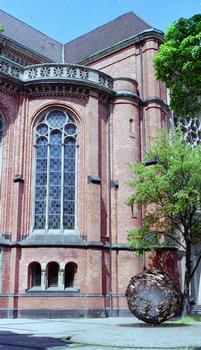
[
  {"x": 14, "y": 341},
  {"x": 146, "y": 325}
]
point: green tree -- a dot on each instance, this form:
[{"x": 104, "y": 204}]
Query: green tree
[
  {"x": 170, "y": 192},
  {"x": 178, "y": 64},
  {"x": 1, "y": 28}
]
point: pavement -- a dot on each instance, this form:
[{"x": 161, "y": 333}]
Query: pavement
[{"x": 98, "y": 334}]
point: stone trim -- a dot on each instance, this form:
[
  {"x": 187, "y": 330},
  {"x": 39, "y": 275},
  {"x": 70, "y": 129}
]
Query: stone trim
[
  {"x": 60, "y": 73},
  {"x": 51, "y": 88},
  {"x": 127, "y": 93},
  {"x": 40, "y": 313},
  {"x": 157, "y": 100},
  {"x": 82, "y": 244},
  {"x": 62, "y": 293}
]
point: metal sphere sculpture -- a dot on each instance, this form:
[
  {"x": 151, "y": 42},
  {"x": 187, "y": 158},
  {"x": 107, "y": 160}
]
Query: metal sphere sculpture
[{"x": 153, "y": 296}]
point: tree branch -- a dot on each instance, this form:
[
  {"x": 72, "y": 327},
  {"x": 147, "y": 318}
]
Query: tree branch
[
  {"x": 195, "y": 267},
  {"x": 176, "y": 240}
]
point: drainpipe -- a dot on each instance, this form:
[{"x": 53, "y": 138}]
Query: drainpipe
[
  {"x": 143, "y": 129},
  {"x": 109, "y": 213},
  {"x": 141, "y": 107}
]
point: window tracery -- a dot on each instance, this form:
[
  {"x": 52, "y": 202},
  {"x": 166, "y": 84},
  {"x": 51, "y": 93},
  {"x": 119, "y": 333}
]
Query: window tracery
[
  {"x": 55, "y": 189},
  {"x": 191, "y": 128}
]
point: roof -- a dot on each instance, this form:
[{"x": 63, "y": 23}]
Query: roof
[
  {"x": 31, "y": 38},
  {"x": 109, "y": 34},
  {"x": 99, "y": 39}
]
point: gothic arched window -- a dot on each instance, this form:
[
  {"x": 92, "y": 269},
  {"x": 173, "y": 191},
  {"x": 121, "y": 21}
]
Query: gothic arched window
[
  {"x": 55, "y": 187},
  {"x": 1, "y": 140}
]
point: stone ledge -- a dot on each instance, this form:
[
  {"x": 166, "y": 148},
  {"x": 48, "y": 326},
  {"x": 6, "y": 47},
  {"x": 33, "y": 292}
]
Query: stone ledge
[{"x": 40, "y": 313}]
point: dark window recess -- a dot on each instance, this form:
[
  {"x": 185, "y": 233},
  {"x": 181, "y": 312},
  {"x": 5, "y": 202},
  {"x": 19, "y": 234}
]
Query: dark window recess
[
  {"x": 70, "y": 271},
  {"x": 53, "y": 269},
  {"x": 131, "y": 128},
  {"x": 34, "y": 275}
]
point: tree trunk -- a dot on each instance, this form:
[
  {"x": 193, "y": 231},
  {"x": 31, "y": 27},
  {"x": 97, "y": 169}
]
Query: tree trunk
[{"x": 186, "y": 295}]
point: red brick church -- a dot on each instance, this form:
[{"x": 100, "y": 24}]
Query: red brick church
[{"x": 71, "y": 118}]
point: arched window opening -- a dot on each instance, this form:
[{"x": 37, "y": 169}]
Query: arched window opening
[
  {"x": 1, "y": 128},
  {"x": 70, "y": 271},
  {"x": 34, "y": 275},
  {"x": 131, "y": 127},
  {"x": 52, "y": 274},
  {"x": 55, "y": 188},
  {"x": 1, "y": 140}
]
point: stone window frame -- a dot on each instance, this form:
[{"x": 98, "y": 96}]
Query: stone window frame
[
  {"x": 2, "y": 127},
  {"x": 72, "y": 120}
]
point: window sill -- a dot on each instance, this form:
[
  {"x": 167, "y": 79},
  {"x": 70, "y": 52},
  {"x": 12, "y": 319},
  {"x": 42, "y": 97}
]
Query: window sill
[
  {"x": 55, "y": 232},
  {"x": 53, "y": 290}
]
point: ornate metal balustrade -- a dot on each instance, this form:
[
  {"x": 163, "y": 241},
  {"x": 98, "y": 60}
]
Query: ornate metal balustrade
[{"x": 54, "y": 72}]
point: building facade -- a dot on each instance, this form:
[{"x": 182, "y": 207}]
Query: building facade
[{"x": 72, "y": 117}]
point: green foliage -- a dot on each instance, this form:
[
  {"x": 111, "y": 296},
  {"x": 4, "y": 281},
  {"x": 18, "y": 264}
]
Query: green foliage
[
  {"x": 178, "y": 64},
  {"x": 1, "y": 28},
  {"x": 170, "y": 192},
  {"x": 188, "y": 320}
]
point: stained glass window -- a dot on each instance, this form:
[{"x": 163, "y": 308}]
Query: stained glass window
[{"x": 56, "y": 135}]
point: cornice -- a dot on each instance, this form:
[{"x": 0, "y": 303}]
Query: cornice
[
  {"x": 144, "y": 103},
  {"x": 155, "y": 100},
  {"x": 127, "y": 93},
  {"x": 82, "y": 244}
]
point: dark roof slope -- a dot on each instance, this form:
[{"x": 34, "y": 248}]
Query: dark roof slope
[
  {"x": 29, "y": 37},
  {"x": 109, "y": 34}
]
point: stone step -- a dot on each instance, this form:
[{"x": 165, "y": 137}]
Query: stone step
[{"x": 196, "y": 310}]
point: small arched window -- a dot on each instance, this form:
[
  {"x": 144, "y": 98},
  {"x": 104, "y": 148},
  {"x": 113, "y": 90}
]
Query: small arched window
[
  {"x": 52, "y": 274},
  {"x": 34, "y": 275},
  {"x": 1, "y": 140},
  {"x": 55, "y": 188},
  {"x": 70, "y": 271}
]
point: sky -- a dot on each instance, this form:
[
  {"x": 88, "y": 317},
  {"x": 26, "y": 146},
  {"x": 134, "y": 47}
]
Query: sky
[{"x": 64, "y": 20}]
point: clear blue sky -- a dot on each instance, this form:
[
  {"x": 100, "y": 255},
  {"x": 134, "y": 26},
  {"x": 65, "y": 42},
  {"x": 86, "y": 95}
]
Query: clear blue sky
[{"x": 65, "y": 20}]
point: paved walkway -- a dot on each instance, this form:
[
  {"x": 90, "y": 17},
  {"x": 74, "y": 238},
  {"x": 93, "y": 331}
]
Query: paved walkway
[{"x": 108, "y": 333}]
